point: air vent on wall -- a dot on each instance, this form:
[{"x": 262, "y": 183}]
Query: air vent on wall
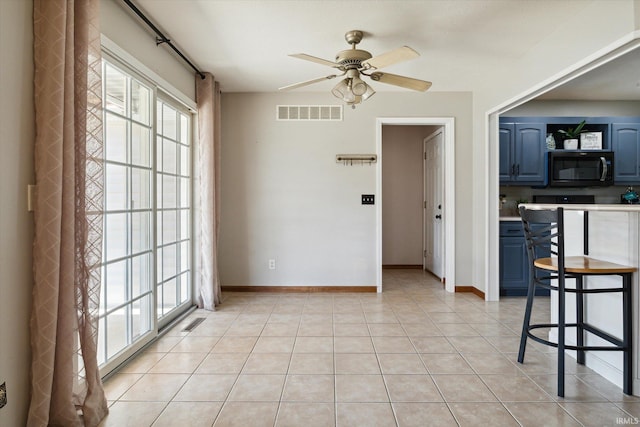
[{"x": 309, "y": 112}]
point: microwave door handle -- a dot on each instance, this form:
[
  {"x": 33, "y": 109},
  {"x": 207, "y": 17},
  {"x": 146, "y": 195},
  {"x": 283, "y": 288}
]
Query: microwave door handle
[{"x": 604, "y": 168}]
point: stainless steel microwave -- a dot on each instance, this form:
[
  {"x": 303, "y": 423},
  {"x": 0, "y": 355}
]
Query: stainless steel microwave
[{"x": 580, "y": 168}]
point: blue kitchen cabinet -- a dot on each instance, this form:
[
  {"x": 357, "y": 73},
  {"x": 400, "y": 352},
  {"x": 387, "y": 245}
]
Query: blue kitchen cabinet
[
  {"x": 506, "y": 138},
  {"x": 522, "y": 153},
  {"x": 625, "y": 142},
  {"x": 514, "y": 264}
]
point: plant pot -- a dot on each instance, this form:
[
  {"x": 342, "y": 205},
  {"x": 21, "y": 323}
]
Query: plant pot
[{"x": 570, "y": 144}]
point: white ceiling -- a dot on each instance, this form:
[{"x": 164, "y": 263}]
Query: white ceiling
[{"x": 245, "y": 43}]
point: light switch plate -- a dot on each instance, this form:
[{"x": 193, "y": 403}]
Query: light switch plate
[
  {"x": 31, "y": 197},
  {"x": 368, "y": 199}
]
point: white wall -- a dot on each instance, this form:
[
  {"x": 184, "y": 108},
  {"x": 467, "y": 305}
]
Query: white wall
[
  {"x": 402, "y": 189},
  {"x": 285, "y": 198},
  {"x": 16, "y": 227}
]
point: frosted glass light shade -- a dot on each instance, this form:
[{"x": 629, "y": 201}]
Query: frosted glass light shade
[
  {"x": 340, "y": 89},
  {"x": 358, "y": 87}
]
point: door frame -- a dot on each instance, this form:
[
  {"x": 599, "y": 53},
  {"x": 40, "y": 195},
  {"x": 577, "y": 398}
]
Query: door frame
[
  {"x": 448, "y": 124},
  {"x": 425, "y": 216}
]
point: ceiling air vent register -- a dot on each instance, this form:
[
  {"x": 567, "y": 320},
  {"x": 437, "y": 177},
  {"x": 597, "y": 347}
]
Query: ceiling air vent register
[{"x": 314, "y": 113}]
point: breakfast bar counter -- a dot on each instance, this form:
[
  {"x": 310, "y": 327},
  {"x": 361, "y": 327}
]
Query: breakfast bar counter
[{"x": 610, "y": 232}]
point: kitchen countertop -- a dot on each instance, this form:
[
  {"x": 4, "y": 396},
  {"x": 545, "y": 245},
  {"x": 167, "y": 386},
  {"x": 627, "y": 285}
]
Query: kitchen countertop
[{"x": 621, "y": 207}]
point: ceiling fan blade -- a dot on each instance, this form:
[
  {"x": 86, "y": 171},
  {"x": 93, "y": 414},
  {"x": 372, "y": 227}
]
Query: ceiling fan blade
[
  {"x": 392, "y": 57},
  {"x": 315, "y": 59},
  {"x": 406, "y": 82},
  {"x": 308, "y": 82}
]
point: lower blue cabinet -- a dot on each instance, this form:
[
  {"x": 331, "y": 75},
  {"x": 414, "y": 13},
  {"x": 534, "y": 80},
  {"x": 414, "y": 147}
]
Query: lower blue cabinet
[{"x": 514, "y": 264}]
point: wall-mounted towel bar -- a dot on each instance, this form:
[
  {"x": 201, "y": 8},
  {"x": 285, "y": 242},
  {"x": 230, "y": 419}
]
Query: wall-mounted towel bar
[{"x": 351, "y": 159}]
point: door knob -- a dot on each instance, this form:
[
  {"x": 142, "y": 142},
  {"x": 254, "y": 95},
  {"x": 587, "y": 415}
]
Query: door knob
[{"x": 438, "y": 216}]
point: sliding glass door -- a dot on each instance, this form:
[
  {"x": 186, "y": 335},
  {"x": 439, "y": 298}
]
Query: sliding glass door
[
  {"x": 173, "y": 180},
  {"x": 146, "y": 276}
]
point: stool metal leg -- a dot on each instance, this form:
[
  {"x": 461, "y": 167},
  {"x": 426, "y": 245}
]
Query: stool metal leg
[
  {"x": 627, "y": 325},
  {"x": 561, "y": 332},
  {"x": 580, "y": 318},
  {"x": 527, "y": 317}
]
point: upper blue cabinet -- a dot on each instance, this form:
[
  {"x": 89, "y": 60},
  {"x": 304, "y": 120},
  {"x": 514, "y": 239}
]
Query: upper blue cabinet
[
  {"x": 522, "y": 153},
  {"x": 523, "y": 148},
  {"x": 625, "y": 141},
  {"x": 507, "y": 139}
]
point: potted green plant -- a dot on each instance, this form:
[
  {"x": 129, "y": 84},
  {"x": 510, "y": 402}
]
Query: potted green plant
[{"x": 570, "y": 136}]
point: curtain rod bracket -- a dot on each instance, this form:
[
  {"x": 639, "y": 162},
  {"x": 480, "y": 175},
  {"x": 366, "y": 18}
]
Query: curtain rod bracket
[
  {"x": 160, "y": 40},
  {"x": 160, "y": 37}
]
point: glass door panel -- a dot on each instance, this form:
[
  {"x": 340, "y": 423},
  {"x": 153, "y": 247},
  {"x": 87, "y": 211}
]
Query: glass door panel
[
  {"x": 174, "y": 210},
  {"x": 146, "y": 273},
  {"x": 126, "y": 316}
]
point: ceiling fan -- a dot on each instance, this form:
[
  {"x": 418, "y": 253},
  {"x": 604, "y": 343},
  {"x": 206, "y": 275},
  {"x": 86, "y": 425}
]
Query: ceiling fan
[{"x": 355, "y": 63}]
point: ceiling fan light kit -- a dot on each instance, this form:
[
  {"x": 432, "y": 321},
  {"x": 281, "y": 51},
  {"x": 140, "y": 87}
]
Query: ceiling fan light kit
[
  {"x": 355, "y": 63},
  {"x": 352, "y": 90}
]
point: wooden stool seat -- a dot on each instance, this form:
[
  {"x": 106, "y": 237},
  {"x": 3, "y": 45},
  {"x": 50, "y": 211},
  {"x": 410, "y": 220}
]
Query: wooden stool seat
[{"x": 584, "y": 265}]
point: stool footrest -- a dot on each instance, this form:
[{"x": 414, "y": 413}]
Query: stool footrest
[
  {"x": 617, "y": 344},
  {"x": 538, "y": 282}
]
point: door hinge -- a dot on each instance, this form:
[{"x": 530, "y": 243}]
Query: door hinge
[
  {"x": 425, "y": 204},
  {"x": 425, "y": 253},
  {"x": 425, "y": 155}
]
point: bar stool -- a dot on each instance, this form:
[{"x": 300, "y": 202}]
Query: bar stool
[{"x": 548, "y": 235}]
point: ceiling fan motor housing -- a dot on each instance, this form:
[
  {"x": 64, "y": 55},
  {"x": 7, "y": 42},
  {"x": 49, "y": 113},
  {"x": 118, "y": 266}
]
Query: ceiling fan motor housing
[{"x": 352, "y": 58}]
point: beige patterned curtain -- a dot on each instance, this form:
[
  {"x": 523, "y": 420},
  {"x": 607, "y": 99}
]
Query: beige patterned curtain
[
  {"x": 208, "y": 99},
  {"x": 66, "y": 389}
]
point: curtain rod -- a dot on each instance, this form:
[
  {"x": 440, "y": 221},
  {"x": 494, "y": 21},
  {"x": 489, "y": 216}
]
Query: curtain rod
[{"x": 160, "y": 37}]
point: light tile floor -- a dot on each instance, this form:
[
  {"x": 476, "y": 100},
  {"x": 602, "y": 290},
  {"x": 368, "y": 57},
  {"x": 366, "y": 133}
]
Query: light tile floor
[{"x": 411, "y": 356}]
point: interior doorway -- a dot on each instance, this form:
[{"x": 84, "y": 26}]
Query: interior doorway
[
  {"x": 404, "y": 190},
  {"x": 432, "y": 128}
]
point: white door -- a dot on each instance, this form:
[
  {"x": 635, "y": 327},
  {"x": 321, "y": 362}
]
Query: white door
[{"x": 433, "y": 205}]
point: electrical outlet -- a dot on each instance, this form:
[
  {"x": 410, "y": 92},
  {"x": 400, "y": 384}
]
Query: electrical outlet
[
  {"x": 272, "y": 264},
  {"x": 3, "y": 394}
]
